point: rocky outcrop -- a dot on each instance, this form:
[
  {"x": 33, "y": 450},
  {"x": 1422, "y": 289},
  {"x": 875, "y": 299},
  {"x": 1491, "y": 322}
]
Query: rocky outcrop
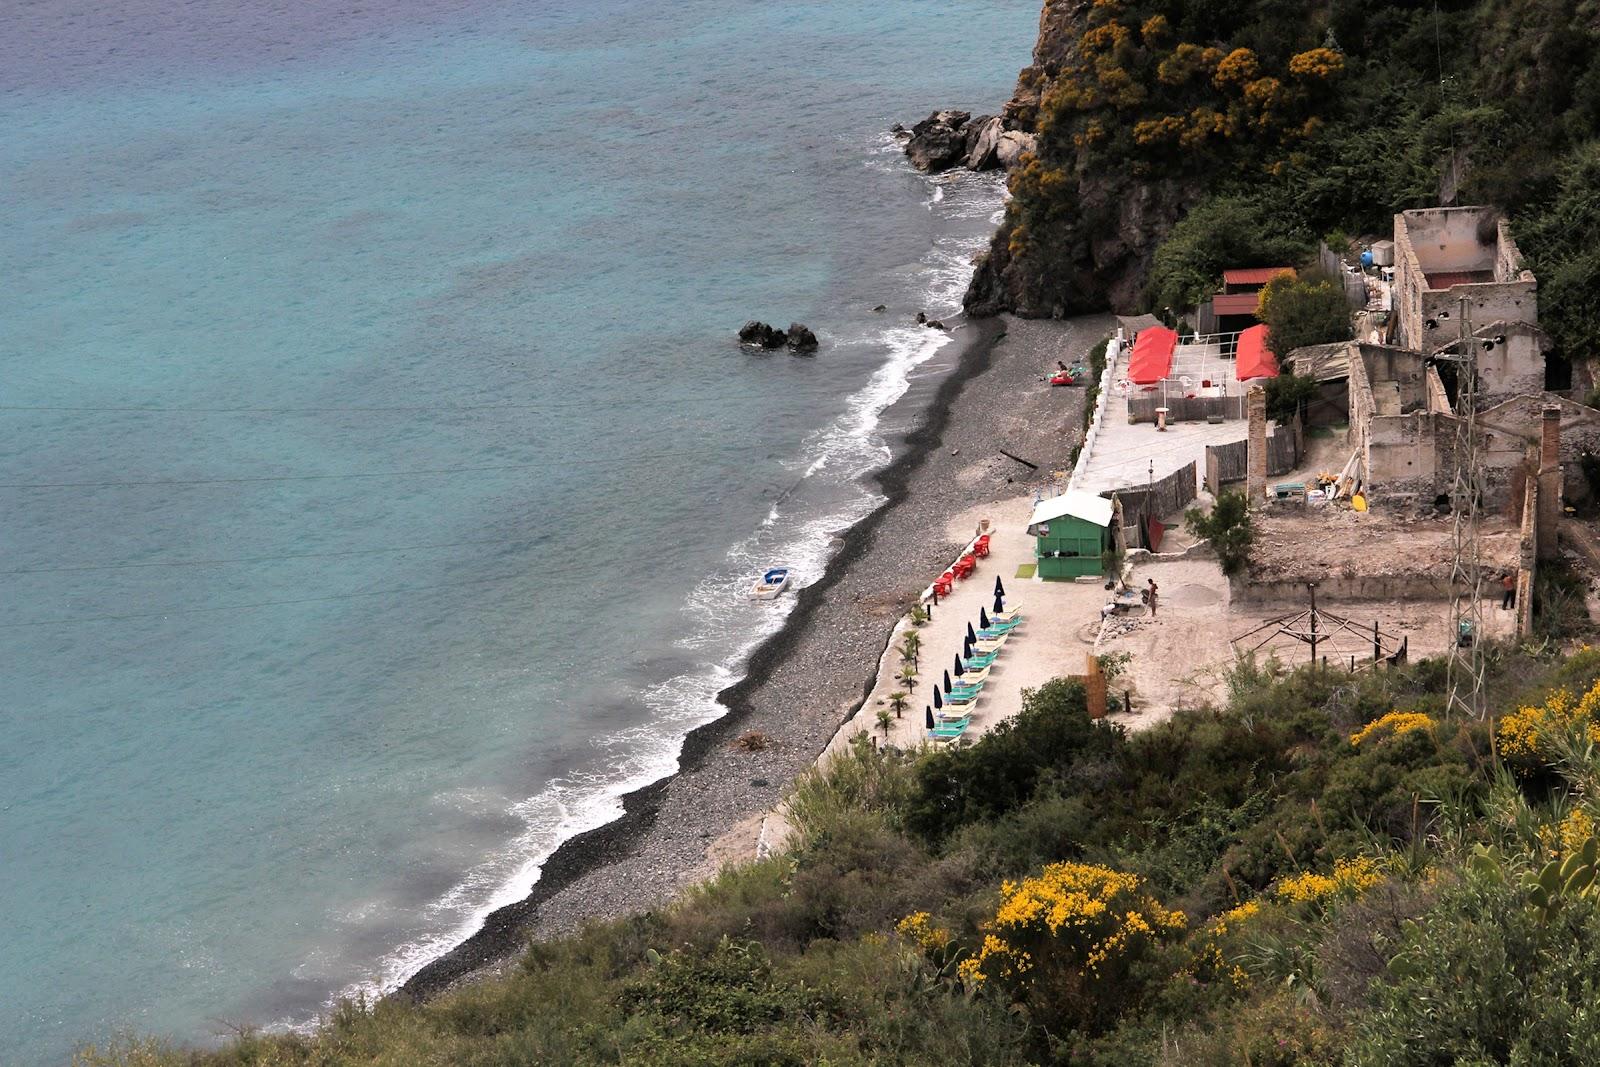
[
  {"x": 948, "y": 139},
  {"x": 1094, "y": 247},
  {"x": 1061, "y": 25},
  {"x": 939, "y": 141},
  {"x": 983, "y": 142},
  {"x": 1098, "y": 259},
  {"x": 1011, "y": 145},
  {"x": 801, "y": 339},
  {"x": 760, "y": 335}
]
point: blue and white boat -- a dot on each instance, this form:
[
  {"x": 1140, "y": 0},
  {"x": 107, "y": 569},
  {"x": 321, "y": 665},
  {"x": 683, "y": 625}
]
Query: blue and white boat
[{"x": 775, "y": 581}]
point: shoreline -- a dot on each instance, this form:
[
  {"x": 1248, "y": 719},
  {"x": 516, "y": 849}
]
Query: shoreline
[
  {"x": 804, "y": 682},
  {"x": 505, "y": 931}
]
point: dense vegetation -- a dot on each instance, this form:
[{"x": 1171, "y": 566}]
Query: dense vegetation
[
  {"x": 1264, "y": 124},
  {"x": 1332, "y": 868}
]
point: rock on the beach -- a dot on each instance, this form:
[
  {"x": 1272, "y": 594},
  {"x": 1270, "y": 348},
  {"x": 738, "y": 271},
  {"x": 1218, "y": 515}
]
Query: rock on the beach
[
  {"x": 1011, "y": 145},
  {"x": 939, "y": 141},
  {"x": 935, "y": 324},
  {"x": 983, "y": 142},
  {"x": 801, "y": 339},
  {"x": 760, "y": 335}
]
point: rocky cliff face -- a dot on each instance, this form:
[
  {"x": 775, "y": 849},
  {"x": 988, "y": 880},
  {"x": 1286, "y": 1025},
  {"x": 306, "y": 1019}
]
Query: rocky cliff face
[{"x": 1098, "y": 256}]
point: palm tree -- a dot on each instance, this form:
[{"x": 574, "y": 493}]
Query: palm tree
[
  {"x": 910, "y": 646},
  {"x": 908, "y": 675},
  {"x": 897, "y": 701},
  {"x": 884, "y": 721},
  {"x": 919, "y": 615}
]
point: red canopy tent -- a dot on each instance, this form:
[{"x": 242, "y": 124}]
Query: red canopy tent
[
  {"x": 1254, "y": 358},
  {"x": 1152, "y": 355}
]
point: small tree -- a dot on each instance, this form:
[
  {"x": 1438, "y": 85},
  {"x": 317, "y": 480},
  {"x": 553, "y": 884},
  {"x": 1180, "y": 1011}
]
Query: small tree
[
  {"x": 908, "y": 675},
  {"x": 1310, "y": 310},
  {"x": 1227, "y": 528},
  {"x": 897, "y": 701},
  {"x": 910, "y": 645},
  {"x": 884, "y": 721},
  {"x": 919, "y": 615},
  {"x": 1288, "y": 394}
]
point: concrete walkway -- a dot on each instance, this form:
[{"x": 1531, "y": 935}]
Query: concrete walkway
[{"x": 1127, "y": 456}]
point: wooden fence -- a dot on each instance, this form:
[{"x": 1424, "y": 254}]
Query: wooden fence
[
  {"x": 1160, "y": 500},
  {"x": 1185, "y": 409},
  {"x": 1231, "y": 462}
]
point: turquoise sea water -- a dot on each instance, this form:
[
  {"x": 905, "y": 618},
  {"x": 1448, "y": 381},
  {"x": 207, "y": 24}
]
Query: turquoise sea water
[{"x": 378, "y": 481}]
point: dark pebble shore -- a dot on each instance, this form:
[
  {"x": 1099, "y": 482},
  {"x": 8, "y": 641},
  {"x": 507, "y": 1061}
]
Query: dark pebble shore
[{"x": 812, "y": 675}]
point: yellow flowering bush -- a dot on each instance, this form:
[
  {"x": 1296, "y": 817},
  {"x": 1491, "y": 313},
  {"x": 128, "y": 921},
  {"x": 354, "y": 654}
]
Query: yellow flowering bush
[
  {"x": 1350, "y": 878},
  {"x": 1157, "y": 131},
  {"x": 1209, "y": 962},
  {"x": 1155, "y": 31},
  {"x": 1236, "y": 68},
  {"x": 1568, "y": 836},
  {"x": 919, "y": 928},
  {"x": 1394, "y": 724},
  {"x": 1319, "y": 64},
  {"x": 1529, "y": 733},
  {"x": 1065, "y": 937}
]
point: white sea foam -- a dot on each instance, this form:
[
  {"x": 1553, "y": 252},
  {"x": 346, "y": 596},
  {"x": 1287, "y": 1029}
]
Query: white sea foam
[{"x": 724, "y": 621}]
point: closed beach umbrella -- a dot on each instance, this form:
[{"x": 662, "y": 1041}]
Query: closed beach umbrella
[
  {"x": 947, "y": 681},
  {"x": 983, "y": 618},
  {"x": 999, "y": 603},
  {"x": 966, "y": 647},
  {"x": 970, "y": 635},
  {"x": 938, "y": 701},
  {"x": 927, "y": 716},
  {"x": 960, "y": 670},
  {"x": 999, "y": 590}
]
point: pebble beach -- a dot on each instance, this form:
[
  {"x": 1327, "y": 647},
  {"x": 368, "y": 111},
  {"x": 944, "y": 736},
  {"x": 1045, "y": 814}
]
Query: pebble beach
[{"x": 812, "y": 676}]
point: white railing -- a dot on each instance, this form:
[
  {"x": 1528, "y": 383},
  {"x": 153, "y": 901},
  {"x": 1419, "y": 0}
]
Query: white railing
[{"x": 1113, "y": 353}]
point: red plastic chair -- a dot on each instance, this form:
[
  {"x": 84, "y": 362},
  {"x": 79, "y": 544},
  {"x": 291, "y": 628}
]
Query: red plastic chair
[{"x": 981, "y": 549}]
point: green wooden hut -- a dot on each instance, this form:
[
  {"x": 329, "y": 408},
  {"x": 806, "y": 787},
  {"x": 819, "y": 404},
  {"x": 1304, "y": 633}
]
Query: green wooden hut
[{"x": 1070, "y": 532}]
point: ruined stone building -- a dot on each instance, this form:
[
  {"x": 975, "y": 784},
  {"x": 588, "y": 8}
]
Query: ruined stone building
[{"x": 1454, "y": 259}]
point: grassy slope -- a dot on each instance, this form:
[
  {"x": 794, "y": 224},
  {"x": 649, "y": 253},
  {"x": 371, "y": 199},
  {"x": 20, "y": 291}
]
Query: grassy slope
[{"x": 805, "y": 959}]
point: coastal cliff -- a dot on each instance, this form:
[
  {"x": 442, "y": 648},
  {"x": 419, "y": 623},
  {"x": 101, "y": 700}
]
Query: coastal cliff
[
  {"x": 1287, "y": 122},
  {"x": 1113, "y": 224}
]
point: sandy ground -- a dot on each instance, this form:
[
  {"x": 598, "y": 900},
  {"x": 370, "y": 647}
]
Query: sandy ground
[
  {"x": 1060, "y": 620},
  {"x": 1180, "y": 658}
]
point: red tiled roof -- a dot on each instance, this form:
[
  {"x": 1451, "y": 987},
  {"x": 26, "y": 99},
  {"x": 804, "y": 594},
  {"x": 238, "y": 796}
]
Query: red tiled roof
[
  {"x": 1235, "y": 303},
  {"x": 1253, "y": 275},
  {"x": 1254, "y": 358},
  {"x": 1152, "y": 355}
]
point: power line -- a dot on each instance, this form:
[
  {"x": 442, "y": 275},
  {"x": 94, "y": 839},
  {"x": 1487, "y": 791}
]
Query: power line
[
  {"x": 259, "y": 604},
  {"x": 128, "y": 565}
]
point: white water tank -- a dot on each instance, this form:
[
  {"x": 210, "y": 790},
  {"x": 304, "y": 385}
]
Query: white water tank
[{"x": 1383, "y": 253}]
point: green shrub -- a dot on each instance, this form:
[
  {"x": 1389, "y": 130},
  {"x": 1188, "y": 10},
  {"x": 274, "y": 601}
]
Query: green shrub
[
  {"x": 1227, "y": 527},
  {"x": 1309, "y": 310}
]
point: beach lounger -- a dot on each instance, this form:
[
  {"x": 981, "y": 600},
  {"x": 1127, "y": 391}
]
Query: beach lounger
[
  {"x": 951, "y": 734},
  {"x": 987, "y": 645},
  {"x": 973, "y": 676},
  {"x": 953, "y": 716},
  {"x": 978, "y": 662},
  {"x": 962, "y": 702},
  {"x": 958, "y": 691}
]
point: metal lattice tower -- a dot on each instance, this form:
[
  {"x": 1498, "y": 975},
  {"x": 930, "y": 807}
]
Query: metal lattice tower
[{"x": 1465, "y": 673}]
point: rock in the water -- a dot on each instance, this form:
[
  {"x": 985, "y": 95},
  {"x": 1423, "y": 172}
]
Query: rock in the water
[
  {"x": 760, "y": 335},
  {"x": 900, "y": 132},
  {"x": 922, "y": 318},
  {"x": 1011, "y": 145},
  {"x": 939, "y": 141},
  {"x": 881, "y": 307},
  {"x": 801, "y": 339},
  {"x": 983, "y": 142},
  {"x": 935, "y": 324}
]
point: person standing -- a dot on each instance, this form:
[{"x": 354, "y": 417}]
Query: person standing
[
  {"x": 1508, "y": 582},
  {"x": 1151, "y": 591}
]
